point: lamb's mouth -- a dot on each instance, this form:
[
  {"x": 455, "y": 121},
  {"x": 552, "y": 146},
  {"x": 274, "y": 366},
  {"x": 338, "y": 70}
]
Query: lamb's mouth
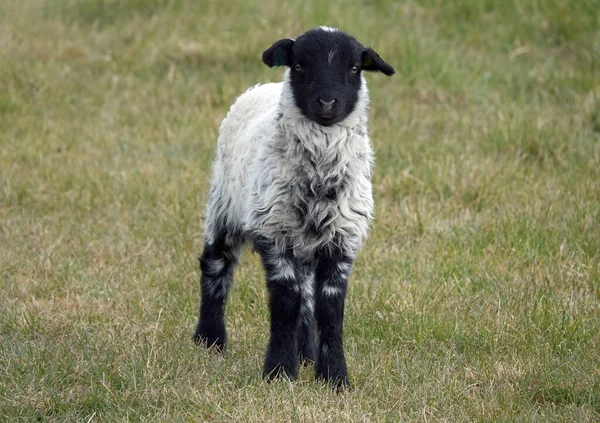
[{"x": 326, "y": 119}]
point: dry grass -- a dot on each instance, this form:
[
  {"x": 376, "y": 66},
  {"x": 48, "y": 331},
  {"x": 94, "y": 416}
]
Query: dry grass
[{"x": 476, "y": 297}]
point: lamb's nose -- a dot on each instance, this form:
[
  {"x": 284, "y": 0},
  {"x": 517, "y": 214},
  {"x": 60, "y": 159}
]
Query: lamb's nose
[{"x": 327, "y": 105}]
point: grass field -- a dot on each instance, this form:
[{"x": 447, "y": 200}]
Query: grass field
[{"x": 476, "y": 297}]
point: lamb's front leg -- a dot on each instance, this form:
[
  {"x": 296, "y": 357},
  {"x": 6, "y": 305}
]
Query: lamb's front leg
[
  {"x": 284, "y": 303},
  {"x": 331, "y": 283}
]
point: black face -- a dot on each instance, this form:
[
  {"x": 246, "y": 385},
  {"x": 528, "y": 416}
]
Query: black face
[{"x": 325, "y": 72}]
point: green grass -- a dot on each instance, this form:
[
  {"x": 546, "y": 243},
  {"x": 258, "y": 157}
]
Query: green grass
[{"x": 476, "y": 297}]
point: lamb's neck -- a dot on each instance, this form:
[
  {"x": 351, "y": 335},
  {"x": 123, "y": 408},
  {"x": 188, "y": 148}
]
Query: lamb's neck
[{"x": 315, "y": 137}]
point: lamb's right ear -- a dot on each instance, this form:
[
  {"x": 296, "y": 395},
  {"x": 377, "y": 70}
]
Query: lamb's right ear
[{"x": 279, "y": 54}]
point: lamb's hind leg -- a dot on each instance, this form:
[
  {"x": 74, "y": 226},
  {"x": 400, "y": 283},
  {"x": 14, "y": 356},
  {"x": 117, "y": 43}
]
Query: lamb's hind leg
[
  {"x": 217, "y": 264},
  {"x": 306, "y": 334}
]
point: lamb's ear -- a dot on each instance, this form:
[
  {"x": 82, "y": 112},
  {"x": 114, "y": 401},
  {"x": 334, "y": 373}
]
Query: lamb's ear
[
  {"x": 371, "y": 61},
  {"x": 279, "y": 54}
]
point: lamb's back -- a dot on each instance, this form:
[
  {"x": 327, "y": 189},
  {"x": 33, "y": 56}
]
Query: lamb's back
[
  {"x": 246, "y": 122},
  {"x": 249, "y": 123}
]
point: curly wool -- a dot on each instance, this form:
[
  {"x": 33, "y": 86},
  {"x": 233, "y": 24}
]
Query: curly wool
[{"x": 280, "y": 176}]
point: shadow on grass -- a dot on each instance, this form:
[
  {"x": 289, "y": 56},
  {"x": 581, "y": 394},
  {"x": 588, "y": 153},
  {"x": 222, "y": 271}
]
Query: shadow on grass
[{"x": 566, "y": 396}]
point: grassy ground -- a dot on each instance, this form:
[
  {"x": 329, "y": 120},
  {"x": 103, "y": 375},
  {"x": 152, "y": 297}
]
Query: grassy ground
[{"x": 476, "y": 297}]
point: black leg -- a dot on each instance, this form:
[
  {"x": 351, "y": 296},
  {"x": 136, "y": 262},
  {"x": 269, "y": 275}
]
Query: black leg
[
  {"x": 306, "y": 335},
  {"x": 217, "y": 263},
  {"x": 331, "y": 283},
  {"x": 284, "y": 303}
]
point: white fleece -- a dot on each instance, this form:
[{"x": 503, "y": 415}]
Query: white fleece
[{"x": 284, "y": 178}]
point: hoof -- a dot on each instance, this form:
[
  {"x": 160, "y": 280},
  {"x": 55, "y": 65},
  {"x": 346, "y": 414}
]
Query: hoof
[{"x": 210, "y": 341}]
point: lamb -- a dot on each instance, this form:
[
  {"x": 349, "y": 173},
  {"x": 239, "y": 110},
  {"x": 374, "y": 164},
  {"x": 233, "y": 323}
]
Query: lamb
[{"x": 292, "y": 177}]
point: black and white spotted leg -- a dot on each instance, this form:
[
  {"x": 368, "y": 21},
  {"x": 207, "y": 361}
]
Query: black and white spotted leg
[
  {"x": 306, "y": 335},
  {"x": 284, "y": 302},
  {"x": 217, "y": 264},
  {"x": 331, "y": 285}
]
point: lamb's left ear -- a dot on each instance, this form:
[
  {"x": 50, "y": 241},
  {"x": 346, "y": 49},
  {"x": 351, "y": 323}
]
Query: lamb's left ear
[
  {"x": 371, "y": 61},
  {"x": 279, "y": 54}
]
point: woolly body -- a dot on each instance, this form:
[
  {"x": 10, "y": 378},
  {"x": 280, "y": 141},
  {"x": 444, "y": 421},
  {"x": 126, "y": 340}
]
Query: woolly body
[{"x": 284, "y": 178}]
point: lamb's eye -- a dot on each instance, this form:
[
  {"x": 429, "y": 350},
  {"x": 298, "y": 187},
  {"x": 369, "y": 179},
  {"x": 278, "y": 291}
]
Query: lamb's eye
[
  {"x": 354, "y": 69},
  {"x": 297, "y": 68}
]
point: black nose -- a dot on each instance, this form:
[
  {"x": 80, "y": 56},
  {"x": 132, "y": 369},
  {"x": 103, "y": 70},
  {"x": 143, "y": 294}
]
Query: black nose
[{"x": 327, "y": 105}]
